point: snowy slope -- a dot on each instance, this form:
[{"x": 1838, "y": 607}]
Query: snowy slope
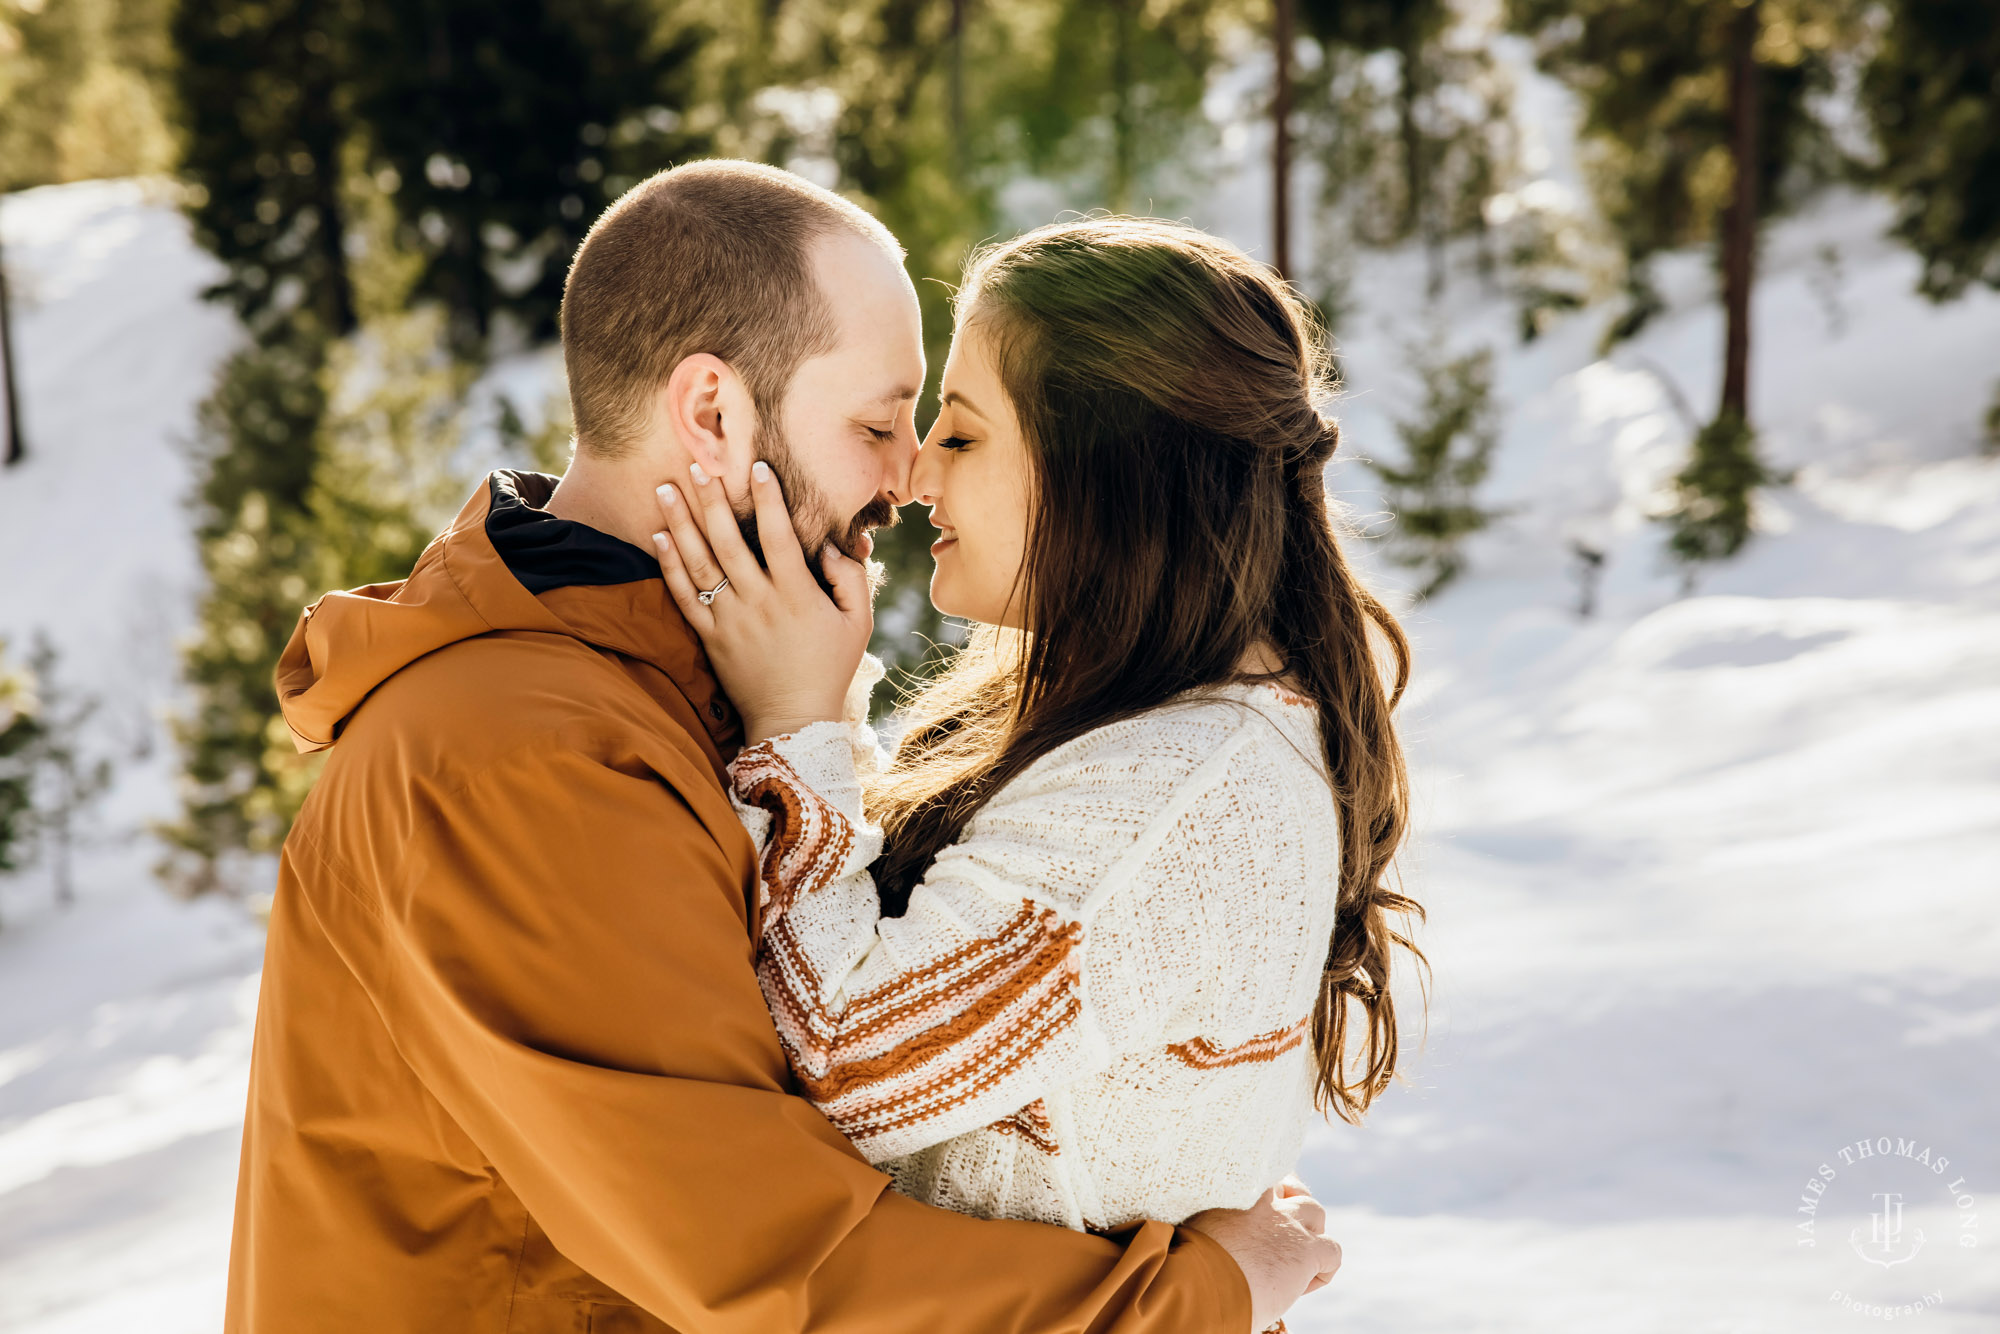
[
  {"x": 1711, "y": 877},
  {"x": 1714, "y": 880},
  {"x": 124, "y": 1023}
]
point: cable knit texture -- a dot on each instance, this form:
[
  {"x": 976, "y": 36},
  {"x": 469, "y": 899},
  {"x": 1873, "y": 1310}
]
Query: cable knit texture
[{"x": 1095, "y": 1009}]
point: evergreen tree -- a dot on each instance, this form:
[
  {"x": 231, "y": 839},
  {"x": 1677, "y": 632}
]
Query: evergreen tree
[
  {"x": 262, "y": 96},
  {"x": 1448, "y": 448},
  {"x": 64, "y": 779},
  {"x": 325, "y": 464},
  {"x": 85, "y": 90},
  {"x": 20, "y": 727},
  {"x": 502, "y": 132},
  {"x": 1104, "y": 96},
  {"x": 256, "y": 446},
  {"x": 1932, "y": 94}
]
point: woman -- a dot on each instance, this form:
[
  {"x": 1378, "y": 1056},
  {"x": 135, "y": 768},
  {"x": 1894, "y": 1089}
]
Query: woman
[{"x": 1084, "y": 952}]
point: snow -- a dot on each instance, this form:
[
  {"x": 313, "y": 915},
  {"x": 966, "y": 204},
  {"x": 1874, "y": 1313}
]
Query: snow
[{"x": 1711, "y": 875}]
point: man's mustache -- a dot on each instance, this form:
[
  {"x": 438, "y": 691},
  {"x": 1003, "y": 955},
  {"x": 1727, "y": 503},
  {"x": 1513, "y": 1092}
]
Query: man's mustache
[{"x": 878, "y": 513}]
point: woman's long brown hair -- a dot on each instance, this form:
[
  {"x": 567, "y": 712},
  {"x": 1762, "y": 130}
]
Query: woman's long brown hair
[{"x": 1168, "y": 390}]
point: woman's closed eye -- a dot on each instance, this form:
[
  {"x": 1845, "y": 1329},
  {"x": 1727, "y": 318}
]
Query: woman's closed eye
[{"x": 953, "y": 443}]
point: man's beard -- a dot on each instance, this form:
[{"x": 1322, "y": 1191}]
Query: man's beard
[{"x": 809, "y": 509}]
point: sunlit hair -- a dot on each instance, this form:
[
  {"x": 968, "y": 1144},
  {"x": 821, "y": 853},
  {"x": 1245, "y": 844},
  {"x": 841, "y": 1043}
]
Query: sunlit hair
[{"x": 1168, "y": 392}]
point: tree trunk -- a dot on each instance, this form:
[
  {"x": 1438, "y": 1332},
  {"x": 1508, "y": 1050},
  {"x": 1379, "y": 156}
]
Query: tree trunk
[
  {"x": 1739, "y": 234},
  {"x": 17, "y": 446},
  {"x": 319, "y": 129},
  {"x": 1281, "y": 139}
]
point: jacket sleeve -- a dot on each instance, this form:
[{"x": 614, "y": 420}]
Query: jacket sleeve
[
  {"x": 560, "y": 949},
  {"x": 995, "y": 985}
]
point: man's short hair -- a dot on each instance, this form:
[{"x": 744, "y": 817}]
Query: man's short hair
[{"x": 711, "y": 256}]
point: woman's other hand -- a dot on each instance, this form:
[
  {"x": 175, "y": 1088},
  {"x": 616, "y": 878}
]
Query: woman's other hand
[
  {"x": 783, "y": 650},
  {"x": 1281, "y": 1245}
]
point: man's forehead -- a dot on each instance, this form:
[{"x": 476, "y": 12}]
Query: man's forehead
[{"x": 895, "y": 398}]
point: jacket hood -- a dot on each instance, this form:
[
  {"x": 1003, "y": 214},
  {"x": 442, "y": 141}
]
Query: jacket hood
[{"x": 502, "y": 565}]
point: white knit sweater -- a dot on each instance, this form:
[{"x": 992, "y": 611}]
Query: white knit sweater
[{"x": 1095, "y": 1009}]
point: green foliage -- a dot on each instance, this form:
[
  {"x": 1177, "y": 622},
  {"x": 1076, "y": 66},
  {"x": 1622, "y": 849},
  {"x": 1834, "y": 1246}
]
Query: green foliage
[
  {"x": 1104, "y": 96},
  {"x": 262, "y": 97},
  {"x": 324, "y": 464},
  {"x": 256, "y": 444},
  {"x": 502, "y": 131},
  {"x": 1418, "y": 158},
  {"x": 1653, "y": 80},
  {"x": 498, "y": 134},
  {"x": 1932, "y": 94},
  {"x": 84, "y": 90},
  {"x": 1710, "y": 520},
  {"x": 20, "y": 730},
  {"x": 1448, "y": 447}
]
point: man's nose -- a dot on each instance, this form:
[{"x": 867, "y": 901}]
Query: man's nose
[{"x": 901, "y": 462}]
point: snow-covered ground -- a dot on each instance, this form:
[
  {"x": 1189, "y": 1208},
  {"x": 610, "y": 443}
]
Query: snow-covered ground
[{"x": 1712, "y": 878}]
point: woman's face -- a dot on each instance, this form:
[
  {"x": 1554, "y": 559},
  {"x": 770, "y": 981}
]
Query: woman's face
[{"x": 974, "y": 473}]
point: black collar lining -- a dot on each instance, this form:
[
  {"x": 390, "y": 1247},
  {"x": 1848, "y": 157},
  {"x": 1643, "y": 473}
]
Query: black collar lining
[{"x": 547, "y": 553}]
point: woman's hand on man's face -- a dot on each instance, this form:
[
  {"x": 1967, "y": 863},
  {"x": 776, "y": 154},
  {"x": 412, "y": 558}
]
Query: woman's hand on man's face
[{"x": 782, "y": 649}]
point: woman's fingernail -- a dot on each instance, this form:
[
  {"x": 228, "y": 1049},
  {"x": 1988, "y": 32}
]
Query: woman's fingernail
[
  {"x": 700, "y": 477},
  {"x": 668, "y": 495},
  {"x": 660, "y": 541},
  {"x": 761, "y": 470}
]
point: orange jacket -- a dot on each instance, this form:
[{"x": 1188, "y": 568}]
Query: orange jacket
[{"x": 512, "y": 1069}]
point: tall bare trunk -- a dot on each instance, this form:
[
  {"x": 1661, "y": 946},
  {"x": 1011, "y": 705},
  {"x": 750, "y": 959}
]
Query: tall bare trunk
[
  {"x": 1281, "y": 139},
  {"x": 1739, "y": 236},
  {"x": 17, "y": 446}
]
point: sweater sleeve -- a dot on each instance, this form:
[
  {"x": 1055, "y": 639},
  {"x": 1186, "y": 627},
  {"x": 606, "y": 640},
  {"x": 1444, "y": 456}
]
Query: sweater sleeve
[{"x": 910, "y": 1031}]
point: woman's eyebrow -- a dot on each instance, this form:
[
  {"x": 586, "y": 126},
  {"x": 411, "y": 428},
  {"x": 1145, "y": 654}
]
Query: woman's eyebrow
[{"x": 955, "y": 397}]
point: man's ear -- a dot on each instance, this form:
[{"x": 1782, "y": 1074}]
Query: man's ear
[{"x": 709, "y": 407}]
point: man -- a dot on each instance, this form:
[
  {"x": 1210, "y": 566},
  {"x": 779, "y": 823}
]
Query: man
[{"x": 512, "y": 1068}]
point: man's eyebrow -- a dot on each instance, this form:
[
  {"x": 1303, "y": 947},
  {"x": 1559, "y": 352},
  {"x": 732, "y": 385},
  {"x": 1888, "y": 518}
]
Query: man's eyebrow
[
  {"x": 896, "y": 396},
  {"x": 955, "y": 397}
]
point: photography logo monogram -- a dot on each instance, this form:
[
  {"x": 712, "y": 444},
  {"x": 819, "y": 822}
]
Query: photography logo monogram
[{"x": 1888, "y": 1225}]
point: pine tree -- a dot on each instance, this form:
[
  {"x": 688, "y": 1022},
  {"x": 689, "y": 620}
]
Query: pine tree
[
  {"x": 85, "y": 90},
  {"x": 1448, "y": 447},
  {"x": 501, "y": 132},
  {"x": 1932, "y": 94},
  {"x": 261, "y": 91},
  {"x": 325, "y": 464},
  {"x": 65, "y": 779},
  {"x": 20, "y": 728}
]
